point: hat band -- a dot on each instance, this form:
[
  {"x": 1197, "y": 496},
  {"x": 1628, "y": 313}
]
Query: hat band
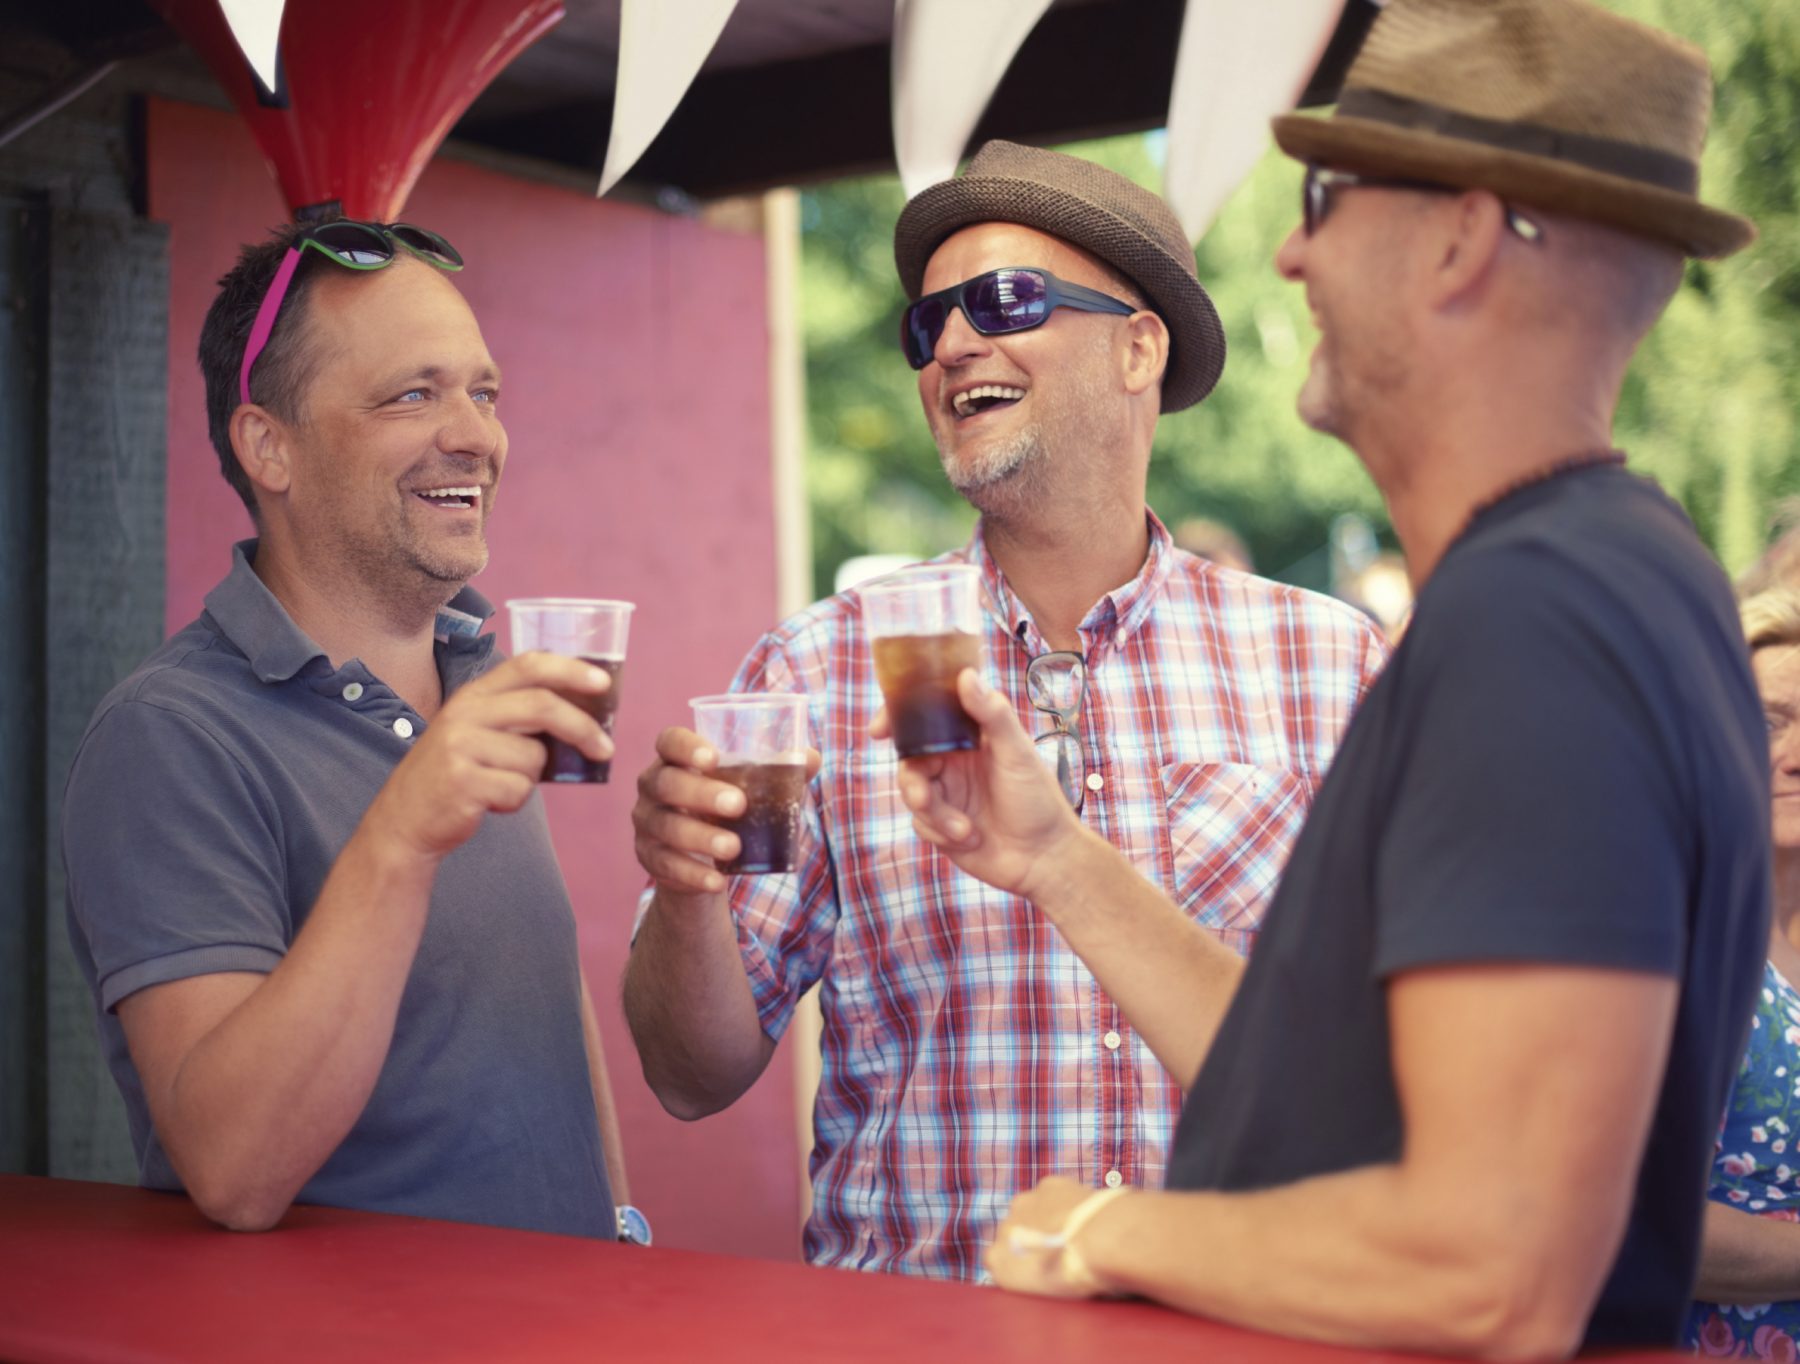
[{"x": 1603, "y": 154}]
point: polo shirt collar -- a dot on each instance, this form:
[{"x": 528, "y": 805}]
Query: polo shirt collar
[
  {"x": 1112, "y": 619},
  {"x": 247, "y": 614}
]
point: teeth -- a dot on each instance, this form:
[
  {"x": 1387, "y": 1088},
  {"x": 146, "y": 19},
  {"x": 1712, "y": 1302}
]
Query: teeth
[
  {"x": 964, "y": 402},
  {"x": 469, "y": 492}
]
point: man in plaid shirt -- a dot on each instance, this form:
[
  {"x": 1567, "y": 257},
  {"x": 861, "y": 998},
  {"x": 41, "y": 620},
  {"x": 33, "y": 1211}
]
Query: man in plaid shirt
[{"x": 967, "y": 1051}]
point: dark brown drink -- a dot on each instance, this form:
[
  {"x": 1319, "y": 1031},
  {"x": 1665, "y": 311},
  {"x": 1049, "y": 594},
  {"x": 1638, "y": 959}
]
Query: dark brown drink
[
  {"x": 918, "y": 674},
  {"x": 565, "y": 762},
  {"x": 769, "y": 829}
]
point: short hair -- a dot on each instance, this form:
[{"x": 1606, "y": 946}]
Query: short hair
[
  {"x": 1780, "y": 562},
  {"x": 285, "y": 367},
  {"x": 1771, "y": 618}
]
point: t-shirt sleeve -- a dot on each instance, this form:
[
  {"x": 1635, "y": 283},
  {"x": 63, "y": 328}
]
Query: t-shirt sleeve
[
  {"x": 1537, "y": 807},
  {"x": 175, "y": 866}
]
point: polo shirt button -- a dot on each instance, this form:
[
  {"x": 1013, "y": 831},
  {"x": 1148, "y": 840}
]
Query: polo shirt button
[
  {"x": 353, "y": 692},
  {"x": 1112, "y": 1040},
  {"x": 1119, "y": 637},
  {"x": 1095, "y": 781},
  {"x": 403, "y": 727},
  {"x": 1114, "y": 1179}
]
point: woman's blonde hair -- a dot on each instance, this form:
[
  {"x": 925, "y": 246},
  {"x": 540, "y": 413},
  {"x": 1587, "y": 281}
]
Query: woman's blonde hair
[{"x": 1771, "y": 618}]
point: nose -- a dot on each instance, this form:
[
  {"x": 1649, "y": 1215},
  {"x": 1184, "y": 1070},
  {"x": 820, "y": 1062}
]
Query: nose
[
  {"x": 1784, "y": 750},
  {"x": 470, "y": 427},
  {"x": 959, "y": 342},
  {"x": 1290, "y": 256}
]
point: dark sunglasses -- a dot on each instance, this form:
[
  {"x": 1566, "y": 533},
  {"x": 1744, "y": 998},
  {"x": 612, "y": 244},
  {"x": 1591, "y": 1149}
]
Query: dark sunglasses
[
  {"x": 352, "y": 244},
  {"x": 1014, "y": 299},
  {"x": 1317, "y": 187}
]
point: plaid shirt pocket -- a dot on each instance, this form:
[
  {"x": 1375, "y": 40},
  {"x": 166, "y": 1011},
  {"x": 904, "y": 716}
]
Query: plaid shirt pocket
[{"x": 1231, "y": 828}]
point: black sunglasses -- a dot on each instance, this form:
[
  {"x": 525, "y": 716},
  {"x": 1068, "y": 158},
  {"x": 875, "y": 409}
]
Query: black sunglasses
[
  {"x": 1014, "y": 299},
  {"x": 1316, "y": 190},
  {"x": 353, "y": 244}
]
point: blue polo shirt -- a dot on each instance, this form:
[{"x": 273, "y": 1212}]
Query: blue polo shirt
[{"x": 209, "y": 798}]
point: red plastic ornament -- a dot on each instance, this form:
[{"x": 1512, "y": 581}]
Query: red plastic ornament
[{"x": 370, "y": 90}]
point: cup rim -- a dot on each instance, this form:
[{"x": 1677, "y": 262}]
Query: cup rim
[
  {"x": 919, "y": 575},
  {"x": 748, "y": 700},
  {"x": 555, "y": 603}
]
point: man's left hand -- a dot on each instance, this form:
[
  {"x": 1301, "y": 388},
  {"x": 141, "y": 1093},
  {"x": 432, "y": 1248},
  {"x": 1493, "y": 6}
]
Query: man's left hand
[{"x": 1027, "y": 1252}]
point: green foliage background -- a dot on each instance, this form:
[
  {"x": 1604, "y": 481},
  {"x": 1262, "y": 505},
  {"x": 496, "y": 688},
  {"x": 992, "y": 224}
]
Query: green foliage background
[{"x": 1709, "y": 407}]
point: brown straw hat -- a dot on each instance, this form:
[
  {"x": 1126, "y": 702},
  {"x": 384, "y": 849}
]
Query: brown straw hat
[
  {"x": 1553, "y": 104},
  {"x": 1123, "y": 224}
]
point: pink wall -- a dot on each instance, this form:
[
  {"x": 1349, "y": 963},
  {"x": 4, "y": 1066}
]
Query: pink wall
[{"x": 636, "y": 359}]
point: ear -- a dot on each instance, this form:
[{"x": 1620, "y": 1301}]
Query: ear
[
  {"x": 1470, "y": 232},
  {"x": 261, "y": 443},
  {"x": 1146, "y": 352}
]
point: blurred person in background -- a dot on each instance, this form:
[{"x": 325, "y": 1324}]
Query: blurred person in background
[
  {"x": 1215, "y": 542},
  {"x": 1749, "y": 1282}
]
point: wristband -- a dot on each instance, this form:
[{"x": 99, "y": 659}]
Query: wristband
[{"x": 1075, "y": 1268}]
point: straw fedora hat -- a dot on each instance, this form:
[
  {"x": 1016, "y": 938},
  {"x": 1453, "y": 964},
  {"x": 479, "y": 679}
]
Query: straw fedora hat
[
  {"x": 1556, "y": 104},
  {"x": 1123, "y": 224}
]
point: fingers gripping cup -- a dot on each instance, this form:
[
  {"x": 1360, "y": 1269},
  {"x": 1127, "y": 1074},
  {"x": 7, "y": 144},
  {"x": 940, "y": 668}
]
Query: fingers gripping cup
[
  {"x": 924, "y": 628},
  {"x": 761, "y": 742},
  {"x": 593, "y": 631}
]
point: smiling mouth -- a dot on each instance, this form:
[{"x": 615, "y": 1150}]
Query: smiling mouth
[
  {"x": 460, "y": 499},
  {"x": 972, "y": 402}
]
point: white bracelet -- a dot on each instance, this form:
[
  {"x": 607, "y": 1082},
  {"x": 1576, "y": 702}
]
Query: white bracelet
[{"x": 1075, "y": 1269}]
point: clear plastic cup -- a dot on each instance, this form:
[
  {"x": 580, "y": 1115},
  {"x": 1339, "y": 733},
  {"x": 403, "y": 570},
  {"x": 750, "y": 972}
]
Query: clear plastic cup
[
  {"x": 761, "y": 741},
  {"x": 924, "y": 627},
  {"x": 585, "y": 628}
]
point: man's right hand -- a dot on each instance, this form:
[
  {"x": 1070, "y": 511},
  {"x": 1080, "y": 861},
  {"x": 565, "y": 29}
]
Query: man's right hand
[
  {"x": 678, "y": 810},
  {"x": 481, "y": 752}
]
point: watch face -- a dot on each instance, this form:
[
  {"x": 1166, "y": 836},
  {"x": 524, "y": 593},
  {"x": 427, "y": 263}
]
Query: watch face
[{"x": 633, "y": 1226}]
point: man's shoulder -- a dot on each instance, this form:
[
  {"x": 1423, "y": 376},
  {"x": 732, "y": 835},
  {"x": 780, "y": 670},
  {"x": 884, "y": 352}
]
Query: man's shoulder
[{"x": 190, "y": 674}]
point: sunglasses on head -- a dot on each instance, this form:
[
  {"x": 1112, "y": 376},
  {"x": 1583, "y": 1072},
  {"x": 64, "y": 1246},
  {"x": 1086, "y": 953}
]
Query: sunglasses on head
[
  {"x": 352, "y": 244},
  {"x": 1316, "y": 194},
  {"x": 1014, "y": 299}
]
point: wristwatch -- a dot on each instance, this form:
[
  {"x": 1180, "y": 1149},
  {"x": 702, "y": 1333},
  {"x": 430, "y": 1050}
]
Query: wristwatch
[{"x": 634, "y": 1227}]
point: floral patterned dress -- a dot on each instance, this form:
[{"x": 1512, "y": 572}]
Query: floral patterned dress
[{"x": 1758, "y": 1169}]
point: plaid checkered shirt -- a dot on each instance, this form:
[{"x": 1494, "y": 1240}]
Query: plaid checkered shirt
[{"x": 967, "y": 1051}]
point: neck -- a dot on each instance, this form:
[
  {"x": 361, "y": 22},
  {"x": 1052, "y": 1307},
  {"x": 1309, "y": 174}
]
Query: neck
[
  {"x": 1473, "y": 443},
  {"x": 393, "y": 638},
  {"x": 1059, "y": 566}
]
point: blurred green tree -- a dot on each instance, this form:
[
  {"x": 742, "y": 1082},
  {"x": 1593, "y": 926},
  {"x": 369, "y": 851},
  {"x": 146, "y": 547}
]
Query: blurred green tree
[{"x": 1709, "y": 407}]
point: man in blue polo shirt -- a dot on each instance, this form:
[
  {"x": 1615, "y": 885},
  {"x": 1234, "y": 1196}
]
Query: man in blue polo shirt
[{"x": 310, "y": 882}]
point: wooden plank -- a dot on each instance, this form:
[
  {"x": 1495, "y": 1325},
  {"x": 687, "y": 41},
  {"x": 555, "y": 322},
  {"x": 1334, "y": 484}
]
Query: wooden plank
[{"x": 108, "y": 396}]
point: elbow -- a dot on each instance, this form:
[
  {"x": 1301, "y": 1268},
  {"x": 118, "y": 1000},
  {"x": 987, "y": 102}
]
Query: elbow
[
  {"x": 1510, "y": 1313},
  {"x": 238, "y": 1207},
  {"x": 685, "y": 1101}
]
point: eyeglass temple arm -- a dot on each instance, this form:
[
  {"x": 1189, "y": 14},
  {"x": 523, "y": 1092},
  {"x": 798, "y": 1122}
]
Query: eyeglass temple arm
[{"x": 265, "y": 319}]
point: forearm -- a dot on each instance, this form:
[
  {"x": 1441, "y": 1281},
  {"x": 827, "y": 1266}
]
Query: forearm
[
  {"x": 263, "y": 1099},
  {"x": 689, "y": 1006},
  {"x": 1368, "y": 1258},
  {"x": 1172, "y": 979},
  {"x": 1747, "y": 1259}
]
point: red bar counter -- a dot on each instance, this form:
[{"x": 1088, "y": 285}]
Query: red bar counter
[{"x": 101, "y": 1272}]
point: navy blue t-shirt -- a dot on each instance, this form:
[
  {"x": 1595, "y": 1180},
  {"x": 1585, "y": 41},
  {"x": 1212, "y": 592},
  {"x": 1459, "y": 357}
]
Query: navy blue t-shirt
[
  {"x": 207, "y": 803},
  {"x": 1564, "y": 762}
]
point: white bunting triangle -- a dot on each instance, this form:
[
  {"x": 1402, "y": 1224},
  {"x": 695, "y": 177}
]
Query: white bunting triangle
[
  {"x": 256, "y": 25},
  {"x": 1237, "y": 67},
  {"x": 948, "y": 58},
  {"x": 662, "y": 47}
]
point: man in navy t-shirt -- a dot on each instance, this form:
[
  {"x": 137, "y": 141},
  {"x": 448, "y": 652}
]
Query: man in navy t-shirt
[{"x": 1464, "y": 1095}]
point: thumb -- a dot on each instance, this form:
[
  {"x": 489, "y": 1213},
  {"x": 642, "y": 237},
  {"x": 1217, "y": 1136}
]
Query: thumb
[{"x": 999, "y": 722}]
